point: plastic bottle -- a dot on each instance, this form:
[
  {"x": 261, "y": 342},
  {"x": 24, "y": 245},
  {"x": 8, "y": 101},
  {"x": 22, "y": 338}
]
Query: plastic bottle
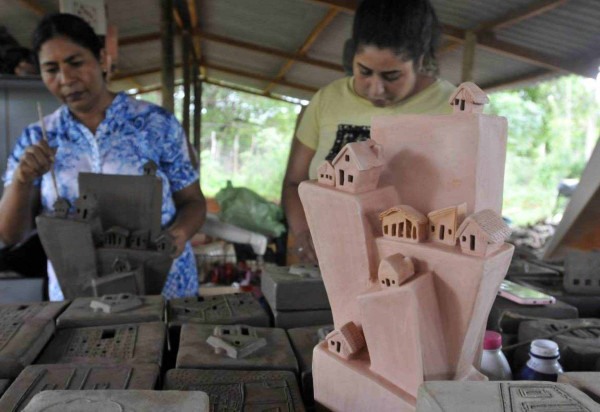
[
  {"x": 493, "y": 362},
  {"x": 543, "y": 362}
]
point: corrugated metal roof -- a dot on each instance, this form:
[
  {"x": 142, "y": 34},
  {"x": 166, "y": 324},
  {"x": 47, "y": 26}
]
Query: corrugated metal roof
[{"x": 248, "y": 42}]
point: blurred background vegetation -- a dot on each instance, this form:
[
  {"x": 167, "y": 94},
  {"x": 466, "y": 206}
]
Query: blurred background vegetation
[{"x": 553, "y": 128}]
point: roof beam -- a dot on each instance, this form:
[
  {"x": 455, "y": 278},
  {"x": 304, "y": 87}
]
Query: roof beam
[
  {"x": 267, "y": 50},
  {"x": 220, "y": 84},
  {"x": 510, "y": 19},
  {"x": 34, "y": 6},
  {"x": 322, "y": 25},
  {"x": 236, "y": 72},
  {"x": 345, "y": 5}
]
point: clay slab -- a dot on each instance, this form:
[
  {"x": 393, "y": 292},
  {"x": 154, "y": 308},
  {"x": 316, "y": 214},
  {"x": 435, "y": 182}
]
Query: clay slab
[
  {"x": 37, "y": 378},
  {"x": 236, "y": 308},
  {"x": 114, "y": 400},
  {"x": 24, "y": 331},
  {"x": 286, "y": 291},
  {"x": 80, "y": 314},
  {"x": 299, "y": 318},
  {"x": 502, "y": 397},
  {"x": 195, "y": 353},
  {"x": 304, "y": 341},
  {"x": 507, "y": 315},
  {"x": 130, "y": 202},
  {"x": 587, "y": 382},
  {"x": 107, "y": 345},
  {"x": 240, "y": 390}
]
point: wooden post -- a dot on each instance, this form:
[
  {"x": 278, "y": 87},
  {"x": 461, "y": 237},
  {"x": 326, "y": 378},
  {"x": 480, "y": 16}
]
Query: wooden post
[
  {"x": 168, "y": 55},
  {"x": 187, "y": 72},
  {"x": 469, "y": 56},
  {"x": 197, "y": 111}
]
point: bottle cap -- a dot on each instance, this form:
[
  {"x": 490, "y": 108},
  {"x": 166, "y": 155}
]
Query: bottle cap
[
  {"x": 544, "y": 348},
  {"x": 492, "y": 340}
]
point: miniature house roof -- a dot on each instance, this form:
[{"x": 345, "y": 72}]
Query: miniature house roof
[
  {"x": 472, "y": 92},
  {"x": 409, "y": 211},
  {"x": 490, "y": 222},
  {"x": 323, "y": 167},
  {"x": 366, "y": 154},
  {"x": 442, "y": 212}
]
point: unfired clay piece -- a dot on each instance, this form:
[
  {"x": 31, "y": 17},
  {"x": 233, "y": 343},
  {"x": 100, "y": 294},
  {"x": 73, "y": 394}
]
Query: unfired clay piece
[
  {"x": 119, "y": 401},
  {"x": 502, "y": 397},
  {"x": 80, "y": 312},
  {"x": 240, "y": 390},
  {"x": 25, "y": 329},
  {"x": 37, "y": 378},
  {"x": 107, "y": 345},
  {"x": 115, "y": 303},
  {"x": 115, "y": 217},
  {"x": 197, "y": 353},
  {"x": 242, "y": 308},
  {"x": 587, "y": 382},
  {"x": 297, "y": 287},
  {"x": 430, "y": 325},
  {"x": 235, "y": 341}
]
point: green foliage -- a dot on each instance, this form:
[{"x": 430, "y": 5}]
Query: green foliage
[
  {"x": 245, "y": 139},
  {"x": 552, "y": 129}
]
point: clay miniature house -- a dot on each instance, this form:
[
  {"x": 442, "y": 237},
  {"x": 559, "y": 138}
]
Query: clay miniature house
[
  {"x": 482, "y": 233},
  {"x": 61, "y": 207},
  {"x": 116, "y": 237},
  {"x": 468, "y": 98},
  {"x": 444, "y": 223},
  {"x": 139, "y": 240},
  {"x": 326, "y": 174},
  {"x": 404, "y": 222},
  {"x": 86, "y": 207},
  {"x": 358, "y": 166},
  {"x": 395, "y": 270},
  {"x": 347, "y": 341}
]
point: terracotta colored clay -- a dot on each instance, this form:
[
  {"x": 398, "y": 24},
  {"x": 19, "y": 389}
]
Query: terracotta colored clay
[{"x": 393, "y": 261}]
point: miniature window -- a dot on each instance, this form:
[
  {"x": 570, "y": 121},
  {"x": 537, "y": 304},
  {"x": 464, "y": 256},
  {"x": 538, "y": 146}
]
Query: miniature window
[
  {"x": 464, "y": 238},
  {"x": 347, "y": 158},
  {"x": 472, "y": 245},
  {"x": 462, "y": 105},
  {"x": 385, "y": 229},
  {"x": 414, "y": 234},
  {"x": 322, "y": 175},
  {"x": 432, "y": 228},
  {"x": 350, "y": 178},
  {"x": 456, "y": 102},
  {"x": 394, "y": 229},
  {"x": 401, "y": 229},
  {"x": 409, "y": 227},
  {"x": 442, "y": 232}
]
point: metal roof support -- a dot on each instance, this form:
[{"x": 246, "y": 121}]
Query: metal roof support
[
  {"x": 469, "y": 56},
  {"x": 168, "y": 55}
]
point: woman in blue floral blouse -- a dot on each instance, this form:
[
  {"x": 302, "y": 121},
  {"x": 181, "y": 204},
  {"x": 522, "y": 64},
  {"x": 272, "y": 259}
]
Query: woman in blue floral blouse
[{"x": 101, "y": 132}]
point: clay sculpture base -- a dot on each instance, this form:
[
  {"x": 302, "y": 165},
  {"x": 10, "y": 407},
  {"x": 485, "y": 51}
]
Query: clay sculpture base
[
  {"x": 351, "y": 386},
  {"x": 79, "y": 314},
  {"x": 24, "y": 331},
  {"x": 108, "y": 345},
  {"x": 37, "y": 378},
  {"x": 132, "y": 400},
  {"x": 240, "y": 390}
]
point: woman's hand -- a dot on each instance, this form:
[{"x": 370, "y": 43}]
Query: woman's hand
[
  {"x": 179, "y": 240},
  {"x": 35, "y": 162}
]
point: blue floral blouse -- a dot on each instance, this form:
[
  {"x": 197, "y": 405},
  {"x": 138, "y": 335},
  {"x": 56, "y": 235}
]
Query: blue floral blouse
[{"x": 132, "y": 133}]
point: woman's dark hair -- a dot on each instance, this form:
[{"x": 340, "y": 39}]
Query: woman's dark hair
[
  {"x": 409, "y": 27},
  {"x": 66, "y": 25}
]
